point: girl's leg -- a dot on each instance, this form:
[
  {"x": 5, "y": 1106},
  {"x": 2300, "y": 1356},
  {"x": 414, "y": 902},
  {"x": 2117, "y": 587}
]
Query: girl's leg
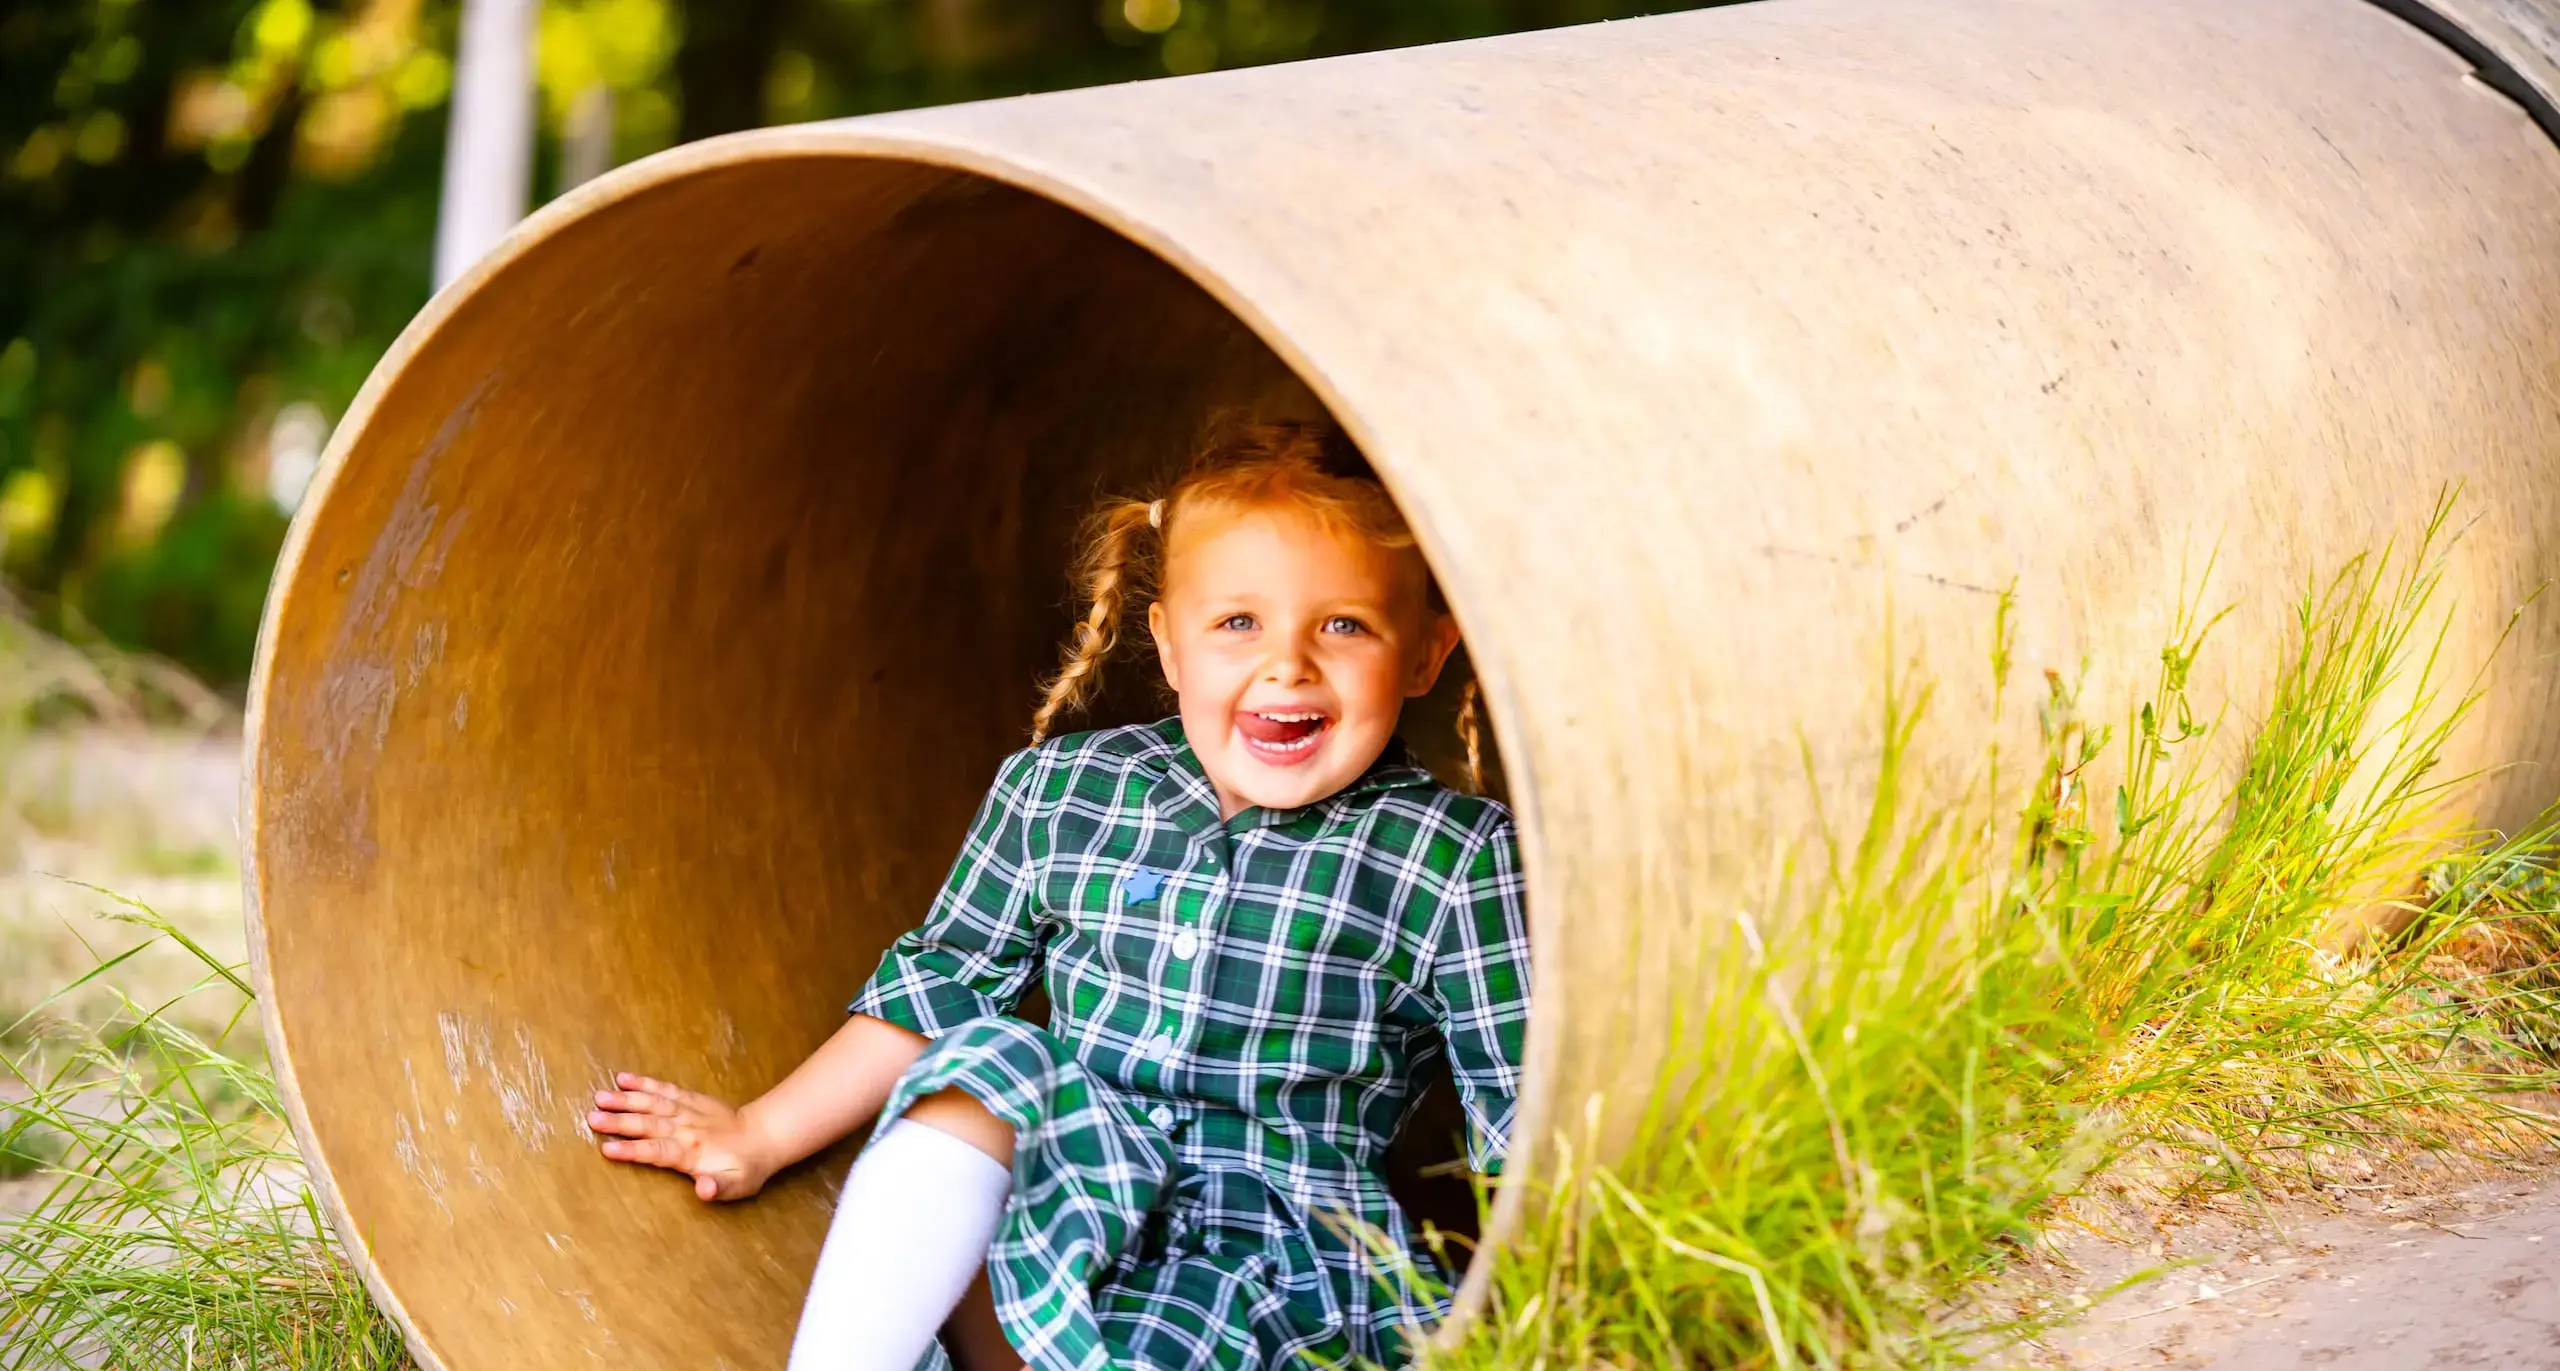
[
  {"x": 911, "y": 1231},
  {"x": 959, "y": 1114},
  {"x": 974, "y": 1339}
]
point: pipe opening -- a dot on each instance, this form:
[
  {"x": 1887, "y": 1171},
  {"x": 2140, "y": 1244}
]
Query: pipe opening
[{"x": 663, "y": 622}]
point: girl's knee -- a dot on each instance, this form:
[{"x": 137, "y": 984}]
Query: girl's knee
[{"x": 954, "y": 1111}]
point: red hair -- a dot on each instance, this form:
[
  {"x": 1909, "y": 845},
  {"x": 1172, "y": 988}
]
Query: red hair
[{"x": 1120, "y": 561}]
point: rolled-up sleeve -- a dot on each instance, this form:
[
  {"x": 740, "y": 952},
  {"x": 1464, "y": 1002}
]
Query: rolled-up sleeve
[
  {"x": 981, "y": 943},
  {"x": 1480, "y": 988}
]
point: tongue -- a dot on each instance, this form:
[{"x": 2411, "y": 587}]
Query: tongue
[{"x": 1263, "y": 730}]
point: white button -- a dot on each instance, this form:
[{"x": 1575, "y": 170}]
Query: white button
[
  {"x": 1186, "y": 944},
  {"x": 1160, "y": 1116},
  {"x": 1160, "y": 1046}
]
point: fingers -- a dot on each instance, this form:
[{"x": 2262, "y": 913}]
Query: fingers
[
  {"x": 650, "y": 1122},
  {"x": 664, "y": 1152},
  {"x": 629, "y": 1125},
  {"x": 661, "y": 1096},
  {"x": 647, "y": 1085},
  {"x": 665, "y": 1090},
  {"x": 636, "y": 1102}
]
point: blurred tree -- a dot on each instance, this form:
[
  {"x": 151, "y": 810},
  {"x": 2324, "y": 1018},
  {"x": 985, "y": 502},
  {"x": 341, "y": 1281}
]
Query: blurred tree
[
  {"x": 726, "y": 59},
  {"x": 207, "y": 211},
  {"x": 217, "y": 212}
]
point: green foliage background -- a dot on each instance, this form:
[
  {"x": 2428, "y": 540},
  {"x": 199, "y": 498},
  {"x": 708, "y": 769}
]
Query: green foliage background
[{"x": 213, "y": 210}]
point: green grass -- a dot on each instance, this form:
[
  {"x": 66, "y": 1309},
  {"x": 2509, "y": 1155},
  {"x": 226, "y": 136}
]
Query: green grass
[
  {"x": 177, "y": 1229},
  {"x": 1952, "y": 1017}
]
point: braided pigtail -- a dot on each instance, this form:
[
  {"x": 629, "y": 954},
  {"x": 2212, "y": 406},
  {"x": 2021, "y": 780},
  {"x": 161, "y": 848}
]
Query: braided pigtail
[
  {"x": 1115, "y": 553},
  {"x": 1471, "y": 733}
]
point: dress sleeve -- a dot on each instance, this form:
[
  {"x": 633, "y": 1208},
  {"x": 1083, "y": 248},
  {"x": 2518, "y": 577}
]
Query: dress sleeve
[
  {"x": 1480, "y": 989},
  {"x": 981, "y": 942}
]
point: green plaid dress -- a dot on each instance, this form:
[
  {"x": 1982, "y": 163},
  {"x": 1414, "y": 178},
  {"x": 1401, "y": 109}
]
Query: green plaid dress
[{"x": 1239, "y": 1009}]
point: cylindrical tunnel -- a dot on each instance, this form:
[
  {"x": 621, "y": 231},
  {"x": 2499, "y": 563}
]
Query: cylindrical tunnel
[{"x": 681, "y": 575}]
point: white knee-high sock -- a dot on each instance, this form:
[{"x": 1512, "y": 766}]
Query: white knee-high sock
[{"x": 912, "y": 1228}]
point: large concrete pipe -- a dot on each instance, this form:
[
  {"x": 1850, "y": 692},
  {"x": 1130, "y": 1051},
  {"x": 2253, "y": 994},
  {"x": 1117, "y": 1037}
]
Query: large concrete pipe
[{"x": 681, "y": 575}]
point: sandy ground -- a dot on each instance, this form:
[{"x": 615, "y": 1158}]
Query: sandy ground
[
  {"x": 147, "y": 817},
  {"x": 2393, "y": 1277}
]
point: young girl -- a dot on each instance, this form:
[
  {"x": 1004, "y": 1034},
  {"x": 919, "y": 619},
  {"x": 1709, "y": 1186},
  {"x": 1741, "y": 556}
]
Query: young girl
[{"x": 1256, "y": 923}]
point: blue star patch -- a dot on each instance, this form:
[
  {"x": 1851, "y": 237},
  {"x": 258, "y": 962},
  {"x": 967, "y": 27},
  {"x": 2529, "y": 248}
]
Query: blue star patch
[{"x": 1141, "y": 885}]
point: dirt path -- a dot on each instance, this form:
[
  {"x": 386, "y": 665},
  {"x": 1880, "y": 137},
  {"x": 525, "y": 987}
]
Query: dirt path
[
  {"x": 147, "y": 816},
  {"x": 2467, "y": 1276}
]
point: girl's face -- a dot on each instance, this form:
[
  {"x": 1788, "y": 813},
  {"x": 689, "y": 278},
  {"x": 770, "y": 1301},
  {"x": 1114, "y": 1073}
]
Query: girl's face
[{"x": 1293, "y": 646}]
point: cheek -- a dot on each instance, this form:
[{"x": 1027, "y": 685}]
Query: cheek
[
  {"x": 1372, "y": 675},
  {"x": 1210, "y": 679}
]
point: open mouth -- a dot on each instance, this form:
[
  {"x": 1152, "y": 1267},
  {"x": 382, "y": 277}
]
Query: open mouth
[{"x": 1282, "y": 735}]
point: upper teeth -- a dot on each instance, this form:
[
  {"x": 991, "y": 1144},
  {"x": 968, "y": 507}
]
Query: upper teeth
[{"x": 1293, "y": 718}]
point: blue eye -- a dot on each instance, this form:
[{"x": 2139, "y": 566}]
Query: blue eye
[
  {"x": 1344, "y": 623},
  {"x": 1237, "y": 623}
]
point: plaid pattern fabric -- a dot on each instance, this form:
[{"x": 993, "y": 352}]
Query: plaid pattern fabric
[{"x": 1238, "y": 1012}]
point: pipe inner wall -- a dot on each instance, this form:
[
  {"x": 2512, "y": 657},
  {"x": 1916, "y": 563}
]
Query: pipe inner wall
[{"x": 657, "y": 643}]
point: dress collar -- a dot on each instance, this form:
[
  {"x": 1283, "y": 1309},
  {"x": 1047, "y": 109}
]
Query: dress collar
[{"x": 1183, "y": 793}]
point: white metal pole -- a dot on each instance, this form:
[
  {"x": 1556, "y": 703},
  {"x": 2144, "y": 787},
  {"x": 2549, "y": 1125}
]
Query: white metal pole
[
  {"x": 586, "y": 144},
  {"x": 488, "y": 160}
]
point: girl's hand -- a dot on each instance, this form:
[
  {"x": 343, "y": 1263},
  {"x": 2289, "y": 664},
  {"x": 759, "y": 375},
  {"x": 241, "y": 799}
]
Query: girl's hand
[
  {"x": 656, "y": 1124},
  {"x": 731, "y": 1153}
]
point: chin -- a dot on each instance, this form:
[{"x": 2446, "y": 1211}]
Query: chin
[
  {"x": 1283, "y": 787},
  {"x": 1297, "y": 792}
]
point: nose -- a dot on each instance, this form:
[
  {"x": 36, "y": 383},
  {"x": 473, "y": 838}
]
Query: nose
[{"x": 1290, "y": 663}]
